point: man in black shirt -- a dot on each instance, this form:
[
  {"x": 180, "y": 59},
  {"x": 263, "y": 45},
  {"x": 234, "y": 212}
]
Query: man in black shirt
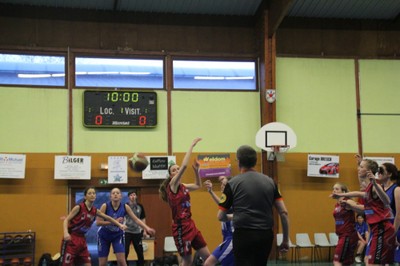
[{"x": 253, "y": 196}]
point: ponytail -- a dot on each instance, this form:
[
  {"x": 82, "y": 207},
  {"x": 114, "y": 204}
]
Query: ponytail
[{"x": 162, "y": 191}]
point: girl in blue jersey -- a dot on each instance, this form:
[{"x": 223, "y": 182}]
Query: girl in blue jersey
[
  {"x": 389, "y": 176},
  {"x": 363, "y": 236},
  {"x": 223, "y": 254},
  {"x": 110, "y": 234}
]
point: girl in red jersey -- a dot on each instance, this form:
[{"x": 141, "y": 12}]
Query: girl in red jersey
[
  {"x": 74, "y": 249},
  {"x": 381, "y": 246},
  {"x": 345, "y": 229},
  {"x": 176, "y": 194}
]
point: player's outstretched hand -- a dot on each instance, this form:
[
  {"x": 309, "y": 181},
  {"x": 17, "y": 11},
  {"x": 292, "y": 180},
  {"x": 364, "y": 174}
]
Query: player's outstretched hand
[
  {"x": 208, "y": 185},
  {"x": 334, "y": 196},
  {"x": 195, "y": 141},
  {"x": 358, "y": 158}
]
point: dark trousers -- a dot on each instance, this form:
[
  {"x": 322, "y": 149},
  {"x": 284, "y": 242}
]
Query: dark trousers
[
  {"x": 136, "y": 240},
  {"x": 252, "y": 247}
]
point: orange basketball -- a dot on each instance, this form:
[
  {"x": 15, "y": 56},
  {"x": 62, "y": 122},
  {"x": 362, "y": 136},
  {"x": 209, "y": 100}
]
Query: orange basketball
[
  {"x": 138, "y": 162},
  {"x": 1, "y": 262}
]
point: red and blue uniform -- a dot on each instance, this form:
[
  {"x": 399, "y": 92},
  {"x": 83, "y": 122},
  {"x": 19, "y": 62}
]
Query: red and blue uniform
[
  {"x": 347, "y": 235},
  {"x": 184, "y": 230},
  {"x": 75, "y": 251},
  {"x": 381, "y": 246}
]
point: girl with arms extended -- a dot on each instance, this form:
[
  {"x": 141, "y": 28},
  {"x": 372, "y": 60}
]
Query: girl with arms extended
[
  {"x": 223, "y": 254},
  {"x": 176, "y": 194},
  {"x": 381, "y": 246},
  {"x": 110, "y": 234},
  {"x": 74, "y": 250},
  {"x": 345, "y": 229}
]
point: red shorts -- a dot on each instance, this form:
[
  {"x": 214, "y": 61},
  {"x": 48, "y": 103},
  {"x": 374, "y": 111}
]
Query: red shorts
[
  {"x": 186, "y": 237},
  {"x": 382, "y": 243},
  {"x": 74, "y": 251},
  {"x": 344, "y": 251}
]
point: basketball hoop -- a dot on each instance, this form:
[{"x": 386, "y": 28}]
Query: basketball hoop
[{"x": 278, "y": 152}]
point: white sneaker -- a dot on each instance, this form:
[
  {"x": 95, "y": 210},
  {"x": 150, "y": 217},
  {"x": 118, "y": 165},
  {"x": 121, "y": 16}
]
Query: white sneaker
[{"x": 358, "y": 259}]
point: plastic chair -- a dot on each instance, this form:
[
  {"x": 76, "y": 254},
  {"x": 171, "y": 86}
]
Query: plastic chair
[
  {"x": 333, "y": 239},
  {"x": 303, "y": 241},
  {"x": 169, "y": 245},
  {"x": 321, "y": 241},
  {"x": 279, "y": 239}
]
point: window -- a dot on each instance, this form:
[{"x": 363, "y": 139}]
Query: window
[
  {"x": 214, "y": 75},
  {"x": 36, "y": 70},
  {"x": 120, "y": 73}
]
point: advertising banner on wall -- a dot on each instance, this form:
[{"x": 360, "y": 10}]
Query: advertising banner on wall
[
  {"x": 323, "y": 166},
  {"x": 12, "y": 166},
  {"x": 158, "y": 167},
  {"x": 381, "y": 160},
  {"x": 214, "y": 165},
  {"x": 72, "y": 167},
  {"x": 117, "y": 170}
]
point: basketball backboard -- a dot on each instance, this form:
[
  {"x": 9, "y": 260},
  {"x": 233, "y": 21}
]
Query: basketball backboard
[{"x": 276, "y": 138}]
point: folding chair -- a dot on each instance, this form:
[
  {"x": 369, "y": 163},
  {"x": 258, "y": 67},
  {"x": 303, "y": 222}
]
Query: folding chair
[
  {"x": 170, "y": 252},
  {"x": 169, "y": 245},
  {"x": 279, "y": 239},
  {"x": 321, "y": 241},
  {"x": 333, "y": 239},
  {"x": 303, "y": 241}
]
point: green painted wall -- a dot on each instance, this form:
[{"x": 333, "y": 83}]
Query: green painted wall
[
  {"x": 33, "y": 120},
  {"x": 317, "y": 99},
  {"x": 225, "y": 120},
  {"x": 36, "y": 120},
  {"x": 380, "y": 94}
]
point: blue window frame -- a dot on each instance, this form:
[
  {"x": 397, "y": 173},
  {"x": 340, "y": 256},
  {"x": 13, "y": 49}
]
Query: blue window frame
[
  {"x": 118, "y": 72},
  {"x": 32, "y": 70},
  {"x": 214, "y": 75}
]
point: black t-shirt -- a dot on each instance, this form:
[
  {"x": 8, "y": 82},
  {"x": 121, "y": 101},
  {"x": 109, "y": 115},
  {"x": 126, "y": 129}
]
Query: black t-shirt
[{"x": 252, "y": 196}]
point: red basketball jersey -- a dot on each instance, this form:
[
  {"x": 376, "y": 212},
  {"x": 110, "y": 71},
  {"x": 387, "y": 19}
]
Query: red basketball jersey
[
  {"x": 344, "y": 221},
  {"x": 179, "y": 203},
  {"x": 82, "y": 222},
  {"x": 375, "y": 210}
]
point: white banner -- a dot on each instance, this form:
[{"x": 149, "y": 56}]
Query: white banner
[
  {"x": 117, "y": 170},
  {"x": 72, "y": 167},
  {"x": 381, "y": 160},
  {"x": 158, "y": 167},
  {"x": 323, "y": 166},
  {"x": 12, "y": 166}
]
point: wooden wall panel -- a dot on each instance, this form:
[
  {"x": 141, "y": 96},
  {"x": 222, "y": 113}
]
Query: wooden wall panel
[
  {"x": 338, "y": 43},
  {"x": 125, "y": 36}
]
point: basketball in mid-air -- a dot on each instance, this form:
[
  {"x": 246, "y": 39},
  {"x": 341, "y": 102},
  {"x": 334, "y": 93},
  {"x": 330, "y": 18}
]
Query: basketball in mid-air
[{"x": 138, "y": 162}]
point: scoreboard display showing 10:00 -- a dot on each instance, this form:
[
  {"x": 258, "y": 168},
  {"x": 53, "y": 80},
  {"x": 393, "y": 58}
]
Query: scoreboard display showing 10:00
[{"x": 117, "y": 108}]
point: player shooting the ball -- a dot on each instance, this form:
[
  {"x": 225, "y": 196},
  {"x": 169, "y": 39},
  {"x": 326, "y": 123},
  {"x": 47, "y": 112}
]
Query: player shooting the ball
[{"x": 176, "y": 194}]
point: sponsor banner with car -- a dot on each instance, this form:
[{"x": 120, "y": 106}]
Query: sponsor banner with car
[{"x": 323, "y": 165}]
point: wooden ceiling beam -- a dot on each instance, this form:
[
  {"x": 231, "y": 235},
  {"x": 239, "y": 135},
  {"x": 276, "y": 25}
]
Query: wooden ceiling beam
[{"x": 278, "y": 10}]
